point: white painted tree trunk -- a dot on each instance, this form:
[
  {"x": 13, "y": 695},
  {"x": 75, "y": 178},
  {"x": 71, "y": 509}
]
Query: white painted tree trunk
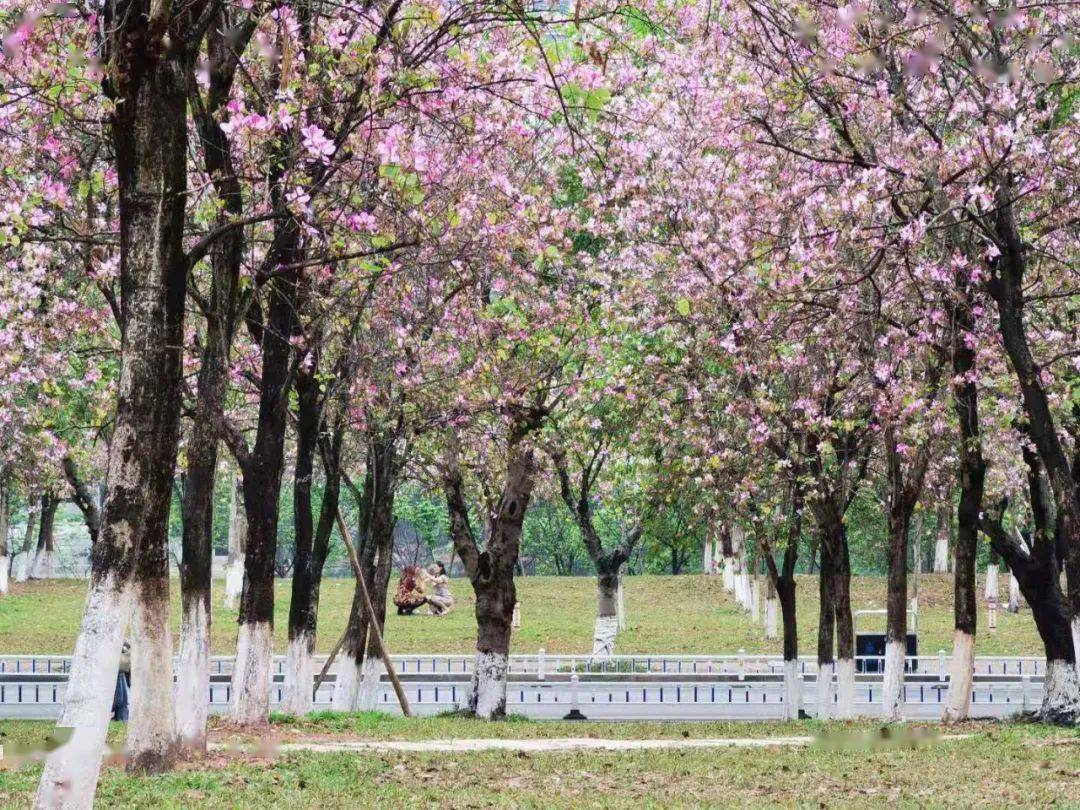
[
  {"x": 1076, "y": 640},
  {"x": 941, "y": 550},
  {"x": 755, "y": 600},
  {"x": 892, "y": 685},
  {"x": 193, "y": 676},
  {"x": 992, "y": 582},
  {"x": 22, "y": 559},
  {"x": 347, "y": 684},
  {"x": 1061, "y": 693},
  {"x": 1014, "y": 594},
  {"x": 747, "y": 591},
  {"x": 5, "y": 560},
  {"x": 252, "y": 674},
  {"x": 826, "y": 693},
  {"x": 845, "y": 688},
  {"x": 772, "y": 609},
  {"x": 961, "y": 677},
  {"x": 151, "y": 738},
  {"x": 234, "y": 566},
  {"x": 69, "y": 779},
  {"x": 792, "y": 690},
  {"x": 370, "y": 685},
  {"x": 299, "y": 676},
  {"x": 605, "y": 630},
  {"x": 44, "y": 565},
  {"x": 729, "y": 574},
  {"x": 620, "y": 610},
  {"x": 21, "y": 566},
  {"x": 489, "y": 685},
  {"x": 707, "y": 556},
  {"x": 234, "y": 582}
]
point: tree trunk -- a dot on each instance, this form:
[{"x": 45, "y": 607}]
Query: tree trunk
[
  {"x": 304, "y": 607},
  {"x": 5, "y": 557},
  {"x": 992, "y": 586},
  {"x": 972, "y": 479},
  {"x": 299, "y": 666},
  {"x": 1035, "y": 567},
  {"x": 772, "y": 609},
  {"x": 845, "y": 631},
  {"x": 609, "y": 563},
  {"x": 491, "y": 572},
  {"x": 785, "y": 591},
  {"x": 45, "y": 555},
  {"x": 1006, "y": 287},
  {"x": 896, "y": 610},
  {"x": 22, "y": 570},
  {"x": 262, "y": 472},
  {"x": 826, "y": 628},
  {"x": 1014, "y": 594},
  {"x": 606, "y": 627},
  {"x": 196, "y": 564},
  {"x": 149, "y": 133},
  {"x": 234, "y": 566},
  {"x": 84, "y": 498},
  {"x": 223, "y": 47},
  {"x": 360, "y": 671},
  {"x": 941, "y": 543}
]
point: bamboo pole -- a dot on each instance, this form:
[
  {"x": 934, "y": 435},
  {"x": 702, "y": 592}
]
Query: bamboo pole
[
  {"x": 326, "y": 667},
  {"x": 372, "y": 623}
]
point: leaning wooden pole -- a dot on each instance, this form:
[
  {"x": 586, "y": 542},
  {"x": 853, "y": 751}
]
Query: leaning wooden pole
[
  {"x": 372, "y": 623},
  {"x": 326, "y": 667}
]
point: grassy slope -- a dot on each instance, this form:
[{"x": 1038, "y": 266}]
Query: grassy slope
[
  {"x": 999, "y": 765},
  {"x": 687, "y": 614}
]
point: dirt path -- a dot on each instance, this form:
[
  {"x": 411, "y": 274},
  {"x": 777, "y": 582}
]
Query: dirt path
[{"x": 533, "y": 745}]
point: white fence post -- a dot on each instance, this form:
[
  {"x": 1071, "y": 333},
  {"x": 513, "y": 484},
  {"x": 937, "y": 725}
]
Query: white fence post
[
  {"x": 575, "y": 711},
  {"x": 541, "y": 660}
]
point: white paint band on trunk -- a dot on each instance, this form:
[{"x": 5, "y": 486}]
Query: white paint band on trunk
[
  {"x": 892, "y": 684},
  {"x": 1061, "y": 693},
  {"x": 299, "y": 676},
  {"x": 991, "y": 591},
  {"x": 826, "y": 691},
  {"x": 489, "y": 676},
  {"x": 20, "y": 570},
  {"x": 347, "y": 684},
  {"x": 845, "y": 688},
  {"x": 370, "y": 683},
  {"x": 5, "y": 562},
  {"x": 193, "y": 676},
  {"x": 234, "y": 581},
  {"x": 252, "y": 674},
  {"x": 961, "y": 677},
  {"x": 70, "y": 776},
  {"x": 772, "y": 609},
  {"x": 1076, "y": 640},
  {"x": 605, "y": 629},
  {"x": 151, "y": 738},
  {"x": 792, "y": 690}
]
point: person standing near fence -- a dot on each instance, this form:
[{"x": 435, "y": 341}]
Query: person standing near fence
[{"x": 123, "y": 685}]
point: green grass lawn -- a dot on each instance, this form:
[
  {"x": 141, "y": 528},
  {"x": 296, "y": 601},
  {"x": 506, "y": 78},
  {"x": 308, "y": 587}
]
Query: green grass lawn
[
  {"x": 999, "y": 765},
  {"x": 684, "y": 614}
]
